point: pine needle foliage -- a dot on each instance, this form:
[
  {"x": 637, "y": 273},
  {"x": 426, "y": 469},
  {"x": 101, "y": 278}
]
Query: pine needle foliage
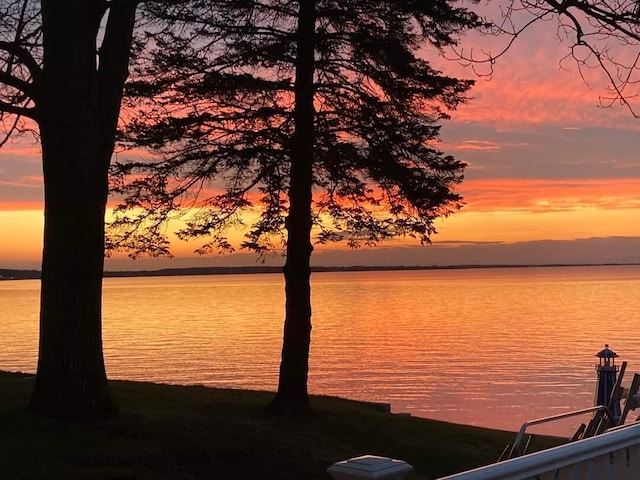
[{"x": 213, "y": 99}]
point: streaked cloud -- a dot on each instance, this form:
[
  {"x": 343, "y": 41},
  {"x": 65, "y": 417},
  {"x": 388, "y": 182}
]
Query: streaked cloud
[
  {"x": 23, "y": 182},
  {"x": 543, "y": 195},
  {"x": 478, "y": 145},
  {"x": 544, "y": 151}
]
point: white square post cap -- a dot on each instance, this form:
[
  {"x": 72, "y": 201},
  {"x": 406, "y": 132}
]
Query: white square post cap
[{"x": 369, "y": 467}]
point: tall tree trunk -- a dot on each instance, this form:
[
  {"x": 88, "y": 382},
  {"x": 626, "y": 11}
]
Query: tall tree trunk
[
  {"x": 292, "y": 396},
  {"x": 71, "y": 379},
  {"x": 77, "y": 114}
]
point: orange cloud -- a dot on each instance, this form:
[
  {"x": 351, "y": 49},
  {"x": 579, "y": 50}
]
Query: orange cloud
[
  {"x": 531, "y": 195},
  {"x": 21, "y": 149},
  {"x": 538, "y": 196},
  {"x": 21, "y": 206}
]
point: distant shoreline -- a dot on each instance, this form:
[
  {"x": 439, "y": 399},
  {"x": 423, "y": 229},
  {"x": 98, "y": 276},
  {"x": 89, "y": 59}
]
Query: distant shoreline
[{"x": 9, "y": 274}]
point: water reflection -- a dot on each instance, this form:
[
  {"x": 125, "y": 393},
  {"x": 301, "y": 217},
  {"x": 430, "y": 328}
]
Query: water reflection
[{"x": 485, "y": 347}]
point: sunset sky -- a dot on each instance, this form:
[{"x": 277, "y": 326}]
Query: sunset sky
[{"x": 552, "y": 176}]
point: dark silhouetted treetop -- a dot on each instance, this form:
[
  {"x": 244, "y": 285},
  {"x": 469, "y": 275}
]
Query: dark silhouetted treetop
[{"x": 212, "y": 97}]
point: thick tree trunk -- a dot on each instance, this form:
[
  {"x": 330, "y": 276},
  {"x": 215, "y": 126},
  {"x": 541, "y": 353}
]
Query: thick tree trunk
[
  {"x": 77, "y": 114},
  {"x": 71, "y": 379},
  {"x": 292, "y": 396}
]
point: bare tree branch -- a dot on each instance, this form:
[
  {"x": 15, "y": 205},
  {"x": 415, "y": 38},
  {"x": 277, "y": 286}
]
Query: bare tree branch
[
  {"x": 600, "y": 34},
  {"x": 24, "y": 56},
  {"x": 24, "y": 111},
  {"x": 10, "y": 130},
  {"x": 24, "y": 87}
]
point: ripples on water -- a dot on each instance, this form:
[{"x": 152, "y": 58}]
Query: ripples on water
[{"x": 489, "y": 347}]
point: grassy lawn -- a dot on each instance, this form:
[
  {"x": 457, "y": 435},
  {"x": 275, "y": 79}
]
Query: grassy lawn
[{"x": 176, "y": 432}]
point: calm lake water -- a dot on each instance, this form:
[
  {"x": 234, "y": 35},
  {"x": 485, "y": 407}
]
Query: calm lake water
[{"x": 488, "y": 347}]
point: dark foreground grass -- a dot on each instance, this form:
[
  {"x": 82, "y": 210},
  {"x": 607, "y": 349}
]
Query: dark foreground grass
[{"x": 176, "y": 432}]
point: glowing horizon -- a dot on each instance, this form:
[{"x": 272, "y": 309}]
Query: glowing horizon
[{"x": 496, "y": 210}]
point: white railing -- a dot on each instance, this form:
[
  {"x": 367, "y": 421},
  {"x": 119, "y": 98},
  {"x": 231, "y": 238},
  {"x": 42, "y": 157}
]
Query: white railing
[
  {"x": 611, "y": 455},
  {"x": 517, "y": 448}
]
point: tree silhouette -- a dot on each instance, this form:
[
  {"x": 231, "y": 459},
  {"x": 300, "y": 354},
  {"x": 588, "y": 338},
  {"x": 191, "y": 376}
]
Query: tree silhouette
[
  {"x": 314, "y": 114},
  {"x": 70, "y": 91}
]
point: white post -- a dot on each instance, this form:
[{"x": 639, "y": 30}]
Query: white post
[{"x": 370, "y": 467}]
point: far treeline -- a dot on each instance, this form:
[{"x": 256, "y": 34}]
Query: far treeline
[
  {"x": 6, "y": 274},
  {"x": 300, "y": 122}
]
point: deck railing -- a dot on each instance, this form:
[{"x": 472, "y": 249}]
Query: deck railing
[{"x": 611, "y": 455}]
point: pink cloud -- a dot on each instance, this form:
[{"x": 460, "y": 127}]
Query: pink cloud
[
  {"x": 478, "y": 145},
  {"x": 24, "y": 182},
  {"x": 535, "y": 81}
]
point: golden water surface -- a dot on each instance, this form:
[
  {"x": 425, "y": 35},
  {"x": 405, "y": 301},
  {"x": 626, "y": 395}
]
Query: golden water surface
[{"x": 488, "y": 347}]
